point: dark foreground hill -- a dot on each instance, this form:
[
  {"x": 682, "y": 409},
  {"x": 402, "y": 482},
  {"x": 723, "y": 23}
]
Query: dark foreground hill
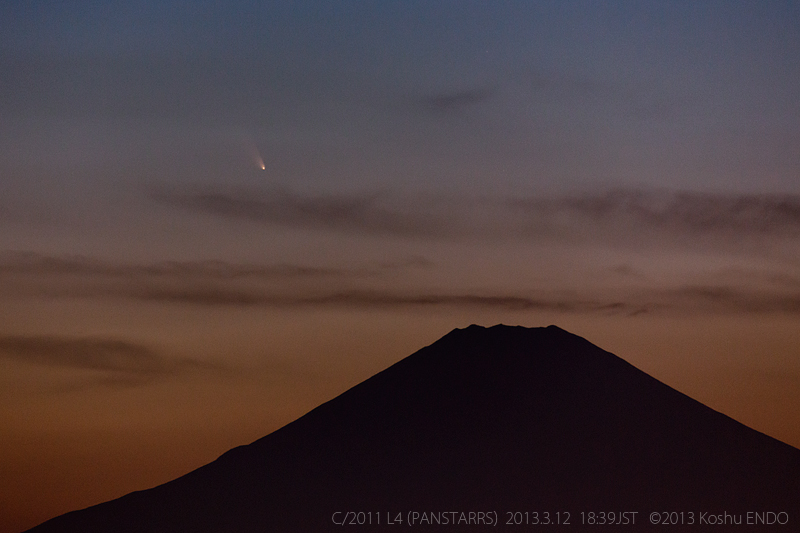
[{"x": 498, "y": 420}]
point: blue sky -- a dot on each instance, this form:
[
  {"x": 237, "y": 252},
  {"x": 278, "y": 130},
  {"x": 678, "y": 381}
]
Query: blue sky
[{"x": 515, "y": 97}]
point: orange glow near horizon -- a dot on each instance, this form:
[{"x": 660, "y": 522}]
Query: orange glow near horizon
[{"x": 268, "y": 368}]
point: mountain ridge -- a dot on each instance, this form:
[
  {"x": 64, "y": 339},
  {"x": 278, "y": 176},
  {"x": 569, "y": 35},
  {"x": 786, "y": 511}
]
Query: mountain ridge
[{"x": 504, "y": 417}]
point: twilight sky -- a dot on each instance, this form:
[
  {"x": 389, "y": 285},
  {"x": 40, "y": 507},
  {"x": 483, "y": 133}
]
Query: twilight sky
[{"x": 628, "y": 171}]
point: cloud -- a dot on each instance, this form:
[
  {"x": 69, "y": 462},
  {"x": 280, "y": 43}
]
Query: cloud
[
  {"x": 28, "y": 274},
  {"x": 686, "y": 299},
  {"x": 113, "y": 361},
  {"x": 451, "y": 102},
  {"x": 632, "y": 291},
  {"x": 723, "y": 298},
  {"x": 689, "y": 213},
  {"x": 635, "y": 219},
  {"x": 220, "y": 284},
  {"x": 355, "y": 213},
  {"x": 368, "y": 299},
  {"x": 629, "y": 216},
  {"x": 30, "y": 263}
]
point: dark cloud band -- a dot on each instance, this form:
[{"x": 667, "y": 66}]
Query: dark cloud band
[
  {"x": 109, "y": 361},
  {"x": 734, "y": 292},
  {"x": 614, "y": 215}
]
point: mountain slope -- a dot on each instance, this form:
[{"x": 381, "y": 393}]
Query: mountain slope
[{"x": 485, "y": 419}]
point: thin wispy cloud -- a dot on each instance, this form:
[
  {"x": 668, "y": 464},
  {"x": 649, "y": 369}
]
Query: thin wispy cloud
[
  {"x": 744, "y": 227},
  {"x": 687, "y": 213},
  {"x": 371, "y": 299},
  {"x": 691, "y": 299},
  {"x": 455, "y": 101},
  {"x": 109, "y": 361},
  {"x": 220, "y": 284},
  {"x": 727, "y": 291},
  {"x": 735, "y": 299},
  {"x": 30, "y": 263},
  {"x": 36, "y": 264},
  {"x": 622, "y": 215},
  {"x": 354, "y": 213}
]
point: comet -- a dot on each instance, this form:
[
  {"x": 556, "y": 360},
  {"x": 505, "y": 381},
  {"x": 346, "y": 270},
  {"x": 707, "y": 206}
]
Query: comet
[{"x": 259, "y": 161}]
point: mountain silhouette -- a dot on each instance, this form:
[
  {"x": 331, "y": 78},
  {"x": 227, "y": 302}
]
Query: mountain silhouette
[{"x": 502, "y": 419}]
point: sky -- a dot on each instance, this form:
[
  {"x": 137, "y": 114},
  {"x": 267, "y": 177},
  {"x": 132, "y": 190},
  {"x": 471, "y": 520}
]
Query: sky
[{"x": 215, "y": 216}]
